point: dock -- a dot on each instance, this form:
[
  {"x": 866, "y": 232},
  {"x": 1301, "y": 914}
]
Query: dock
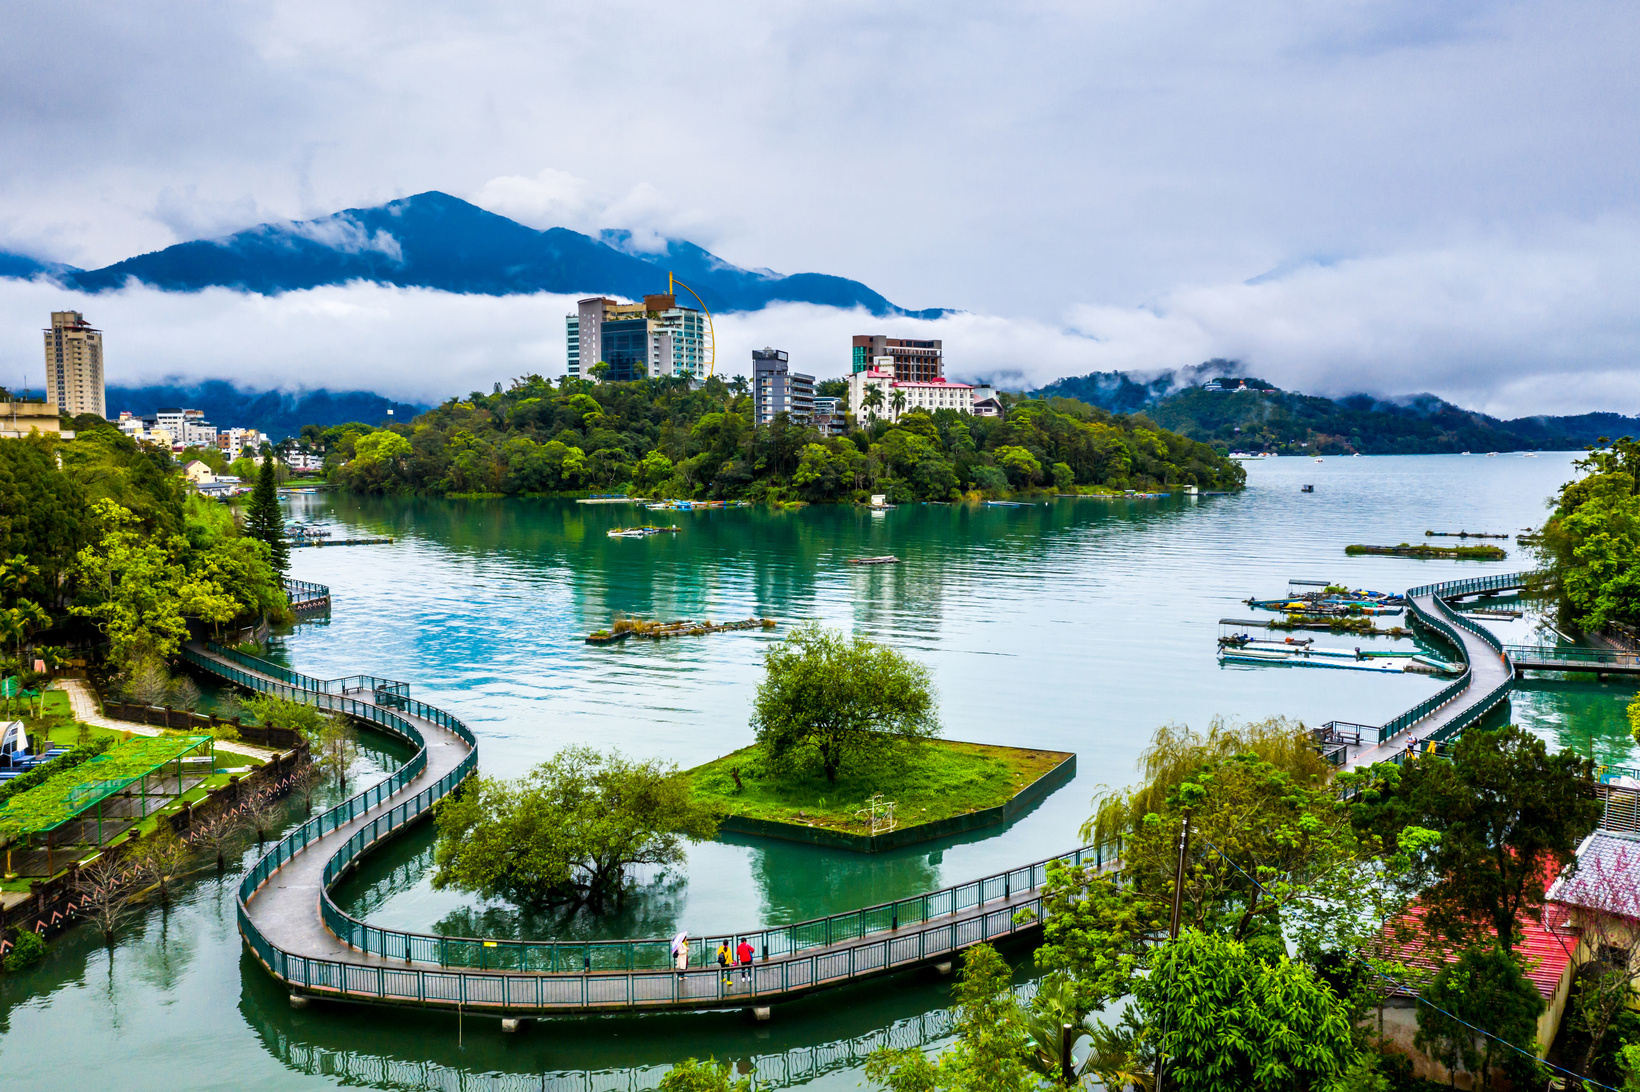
[{"x": 298, "y": 544}]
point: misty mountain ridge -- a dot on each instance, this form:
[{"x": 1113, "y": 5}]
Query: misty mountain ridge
[
  {"x": 276, "y": 413},
  {"x": 434, "y": 240},
  {"x": 1265, "y": 418}
]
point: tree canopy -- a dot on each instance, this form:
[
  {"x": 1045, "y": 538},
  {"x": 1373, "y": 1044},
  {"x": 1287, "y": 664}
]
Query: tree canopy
[
  {"x": 569, "y": 831},
  {"x": 832, "y": 700},
  {"x": 1591, "y": 543},
  {"x": 670, "y": 438}
]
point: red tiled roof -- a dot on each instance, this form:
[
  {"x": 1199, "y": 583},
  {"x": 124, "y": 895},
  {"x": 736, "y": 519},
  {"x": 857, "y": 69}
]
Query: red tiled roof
[{"x": 1545, "y": 946}]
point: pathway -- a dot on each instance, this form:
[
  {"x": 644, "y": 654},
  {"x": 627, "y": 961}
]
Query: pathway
[{"x": 83, "y": 703}]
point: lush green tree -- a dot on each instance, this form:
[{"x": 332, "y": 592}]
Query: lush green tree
[
  {"x": 992, "y": 1043},
  {"x": 1509, "y": 815},
  {"x": 1483, "y": 988},
  {"x": 1591, "y": 543},
  {"x": 130, "y": 585},
  {"x": 567, "y": 832},
  {"x": 837, "y": 700},
  {"x": 263, "y": 521},
  {"x": 1227, "y": 1020},
  {"x": 708, "y": 1076}
]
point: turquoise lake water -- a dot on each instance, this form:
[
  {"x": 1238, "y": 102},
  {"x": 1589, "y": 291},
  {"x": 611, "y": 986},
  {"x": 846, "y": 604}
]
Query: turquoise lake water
[{"x": 1079, "y": 625}]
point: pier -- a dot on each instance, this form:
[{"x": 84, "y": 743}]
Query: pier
[{"x": 302, "y": 938}]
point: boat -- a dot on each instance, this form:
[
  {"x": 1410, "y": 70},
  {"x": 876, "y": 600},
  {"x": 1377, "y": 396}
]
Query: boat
[{"x": 1005, "y": 504}]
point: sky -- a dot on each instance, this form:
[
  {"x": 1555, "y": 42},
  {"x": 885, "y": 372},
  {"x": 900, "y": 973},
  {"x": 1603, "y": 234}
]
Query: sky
[{"x": 1378, "y": 195}]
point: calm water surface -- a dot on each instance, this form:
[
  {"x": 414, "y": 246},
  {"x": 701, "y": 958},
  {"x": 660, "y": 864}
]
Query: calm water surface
[{"x": 1078, "y": 625}]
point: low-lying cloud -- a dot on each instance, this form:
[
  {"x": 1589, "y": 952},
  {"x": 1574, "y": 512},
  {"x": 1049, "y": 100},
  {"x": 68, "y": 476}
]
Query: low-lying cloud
[{"x": 1511, "y": 327}]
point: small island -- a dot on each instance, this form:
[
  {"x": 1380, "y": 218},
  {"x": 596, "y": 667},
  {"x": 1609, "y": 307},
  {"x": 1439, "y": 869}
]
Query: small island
[
  {"x": 942, "y": 787},
  {"x": 848, "y": 754},
  {"x": 1406, "y": 549}
]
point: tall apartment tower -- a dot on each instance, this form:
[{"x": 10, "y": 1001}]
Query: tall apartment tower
[
  {"x": 914, "y": 361},
  {"x": 74, "y": 365},
  {"x": 653, "y": 338}
]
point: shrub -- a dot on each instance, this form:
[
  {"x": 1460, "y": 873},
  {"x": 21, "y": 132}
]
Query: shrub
[{"x": 29, "y": 950}]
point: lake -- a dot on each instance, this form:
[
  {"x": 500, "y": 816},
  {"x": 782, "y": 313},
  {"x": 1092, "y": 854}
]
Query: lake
[{"x": 1078, "y": 625}]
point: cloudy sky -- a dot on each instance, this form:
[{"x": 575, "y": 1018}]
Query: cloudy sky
[{"x": 1381, "y": 195}]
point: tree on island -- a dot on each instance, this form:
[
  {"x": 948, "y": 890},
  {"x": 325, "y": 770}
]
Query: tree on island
[
  {"x": 262, "y": 519},
  {"x": 569, "y": 831},
  {"x": 839, "y": 700}
]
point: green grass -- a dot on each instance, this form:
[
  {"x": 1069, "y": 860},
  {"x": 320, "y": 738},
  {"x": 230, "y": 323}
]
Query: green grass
[{"x": 935, "y": 781}]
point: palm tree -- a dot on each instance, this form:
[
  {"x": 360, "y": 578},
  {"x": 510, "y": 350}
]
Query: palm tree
[
  {"x": 899, "y": 402},
  {"x": 873, "y": 402}
]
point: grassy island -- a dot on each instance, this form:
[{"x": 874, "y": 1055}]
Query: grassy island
[
  {"x": 936, "y": 781},
  {"x": 1405, "y": 549}
]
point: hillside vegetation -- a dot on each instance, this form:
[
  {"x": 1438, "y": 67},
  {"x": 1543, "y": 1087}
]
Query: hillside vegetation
[
  {"x": 662, "y": 438},
  {"x": 1288, "y": 422}
]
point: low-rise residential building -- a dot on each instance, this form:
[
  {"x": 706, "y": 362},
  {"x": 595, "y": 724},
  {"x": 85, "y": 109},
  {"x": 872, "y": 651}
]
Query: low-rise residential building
[
  {"x": 777, "y": 389},
  {"x": 188, "y": 427},
  {"x": 19, "y": 419},
  {"x": 198, "y": 473},
  {"x": 986, "y": 402},
  {"x": 899, "y": 396},
  {"x": 829, "y": 418},
  {"x": 234, "y": 442}
]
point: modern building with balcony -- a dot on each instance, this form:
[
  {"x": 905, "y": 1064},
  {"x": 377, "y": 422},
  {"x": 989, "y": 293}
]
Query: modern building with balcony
[
  {"x": 914, "y": 361},
  {"x": 777, "y": 389},
  {"x": 649, "y": 339}
]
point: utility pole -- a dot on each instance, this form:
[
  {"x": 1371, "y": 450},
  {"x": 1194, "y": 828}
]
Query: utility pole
[{"x": 1173, "y": 927}]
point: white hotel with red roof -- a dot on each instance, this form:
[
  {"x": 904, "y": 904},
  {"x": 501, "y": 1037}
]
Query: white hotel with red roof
[{"x": 928, "y": 395}]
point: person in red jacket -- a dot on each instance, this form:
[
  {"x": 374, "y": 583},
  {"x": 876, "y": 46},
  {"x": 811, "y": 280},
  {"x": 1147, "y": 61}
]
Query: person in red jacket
[{"x": 743, "y": 956}]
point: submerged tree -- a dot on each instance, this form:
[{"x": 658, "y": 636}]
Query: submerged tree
[
  {"x": 103, "y": 889},
  {"x": 568, "y": 832},
  {"x": 840, "y": 700}
]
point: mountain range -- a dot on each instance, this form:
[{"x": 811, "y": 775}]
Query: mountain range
[
  {"x": 1264, "y": 418},
  {"x": 433, "y": 240},
  {"x": 277, "y": 414}
]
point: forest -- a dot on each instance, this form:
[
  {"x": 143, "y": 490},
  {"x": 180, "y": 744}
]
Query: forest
[{"x": 669, "y": 438}]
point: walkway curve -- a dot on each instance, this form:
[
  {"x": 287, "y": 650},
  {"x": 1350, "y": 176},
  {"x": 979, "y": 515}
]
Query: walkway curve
[
  {"x": 289, "y": 921},
  {"x": 1487, "y": 678}
]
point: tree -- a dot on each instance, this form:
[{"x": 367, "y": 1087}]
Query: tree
[
  {"x": 263, "y": 521},
  {"x": 1508, "y": 814},
  {"x": 264, "y": 816},
  {"x": 899, "y": 401},
  {"x": 1591, "y": 543},
  {"x": 992, "y": 1042},
  {"x": 708, "y": 1076},
  {"x": 161, "y": 863},
  {"x": 103, "y": 891},
  {"x": 872, "y": 402},
  {"x": 569, "y": 831},
  {"x": 1226, "y": 1020},
  {"x": 839, "y": 700},
  {"x": 1484, "y": 988},
  {"x": 218, "y": 836},
  {"x": 335, "y": 749},
  {"x": 305, "y": 781}
]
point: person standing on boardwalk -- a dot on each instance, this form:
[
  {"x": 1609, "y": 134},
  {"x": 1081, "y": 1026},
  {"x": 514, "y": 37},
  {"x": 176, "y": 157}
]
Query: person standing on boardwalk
[
  {"x": 724, "y": 959},
  {"x": 743, "y": 956},
  {"x": 680, "y": 952}
]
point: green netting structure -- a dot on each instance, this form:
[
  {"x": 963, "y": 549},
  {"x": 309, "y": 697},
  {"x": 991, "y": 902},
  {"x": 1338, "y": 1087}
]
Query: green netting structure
[{"x": 66, "y": 797}]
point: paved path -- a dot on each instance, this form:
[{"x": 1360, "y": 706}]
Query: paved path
[{"x": 83, "y": 703}]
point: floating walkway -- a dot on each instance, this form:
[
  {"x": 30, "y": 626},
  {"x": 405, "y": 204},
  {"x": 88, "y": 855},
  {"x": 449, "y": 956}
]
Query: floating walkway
[
  {"x": 290, "y": 922},
  {"x": 1487, "y": 678}
]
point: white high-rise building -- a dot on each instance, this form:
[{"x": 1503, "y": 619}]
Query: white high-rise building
[
  {"x": 74, "y": 365},
  {"x": 637, "y": 340}
]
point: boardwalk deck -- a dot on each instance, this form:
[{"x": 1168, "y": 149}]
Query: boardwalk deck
[{"x": 303, "y": 939}]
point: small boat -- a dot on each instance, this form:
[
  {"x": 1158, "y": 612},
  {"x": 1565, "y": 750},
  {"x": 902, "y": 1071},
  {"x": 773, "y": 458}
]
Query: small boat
[
  {"x": 1005, "y": 504},
  {"x": 1491, "y": 454},
  {"x": 886, "y": 559}
]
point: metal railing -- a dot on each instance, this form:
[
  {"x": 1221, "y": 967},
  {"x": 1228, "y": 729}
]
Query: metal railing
[
  {"x": 525, "y": 976},
  {"x": 1475, "y": 584},
  {"x": 779, "y": 942},
  {"x": 1531, "y": 654},
  {"x": 301, "y": 593}
]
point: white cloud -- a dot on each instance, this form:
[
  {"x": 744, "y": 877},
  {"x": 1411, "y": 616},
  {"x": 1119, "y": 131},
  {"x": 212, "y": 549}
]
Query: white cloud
[
  {"x": 554, "y": 198},
  {"x": 1510, "y": 327},
  {"x": 342, "y": 233}
]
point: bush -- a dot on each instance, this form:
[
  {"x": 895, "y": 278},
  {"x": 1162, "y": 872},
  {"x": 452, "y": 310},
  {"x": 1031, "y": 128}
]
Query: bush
[{"x": 29, "y": 950}]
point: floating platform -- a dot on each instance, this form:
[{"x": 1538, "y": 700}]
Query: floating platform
[
  {"x": 298, "y": 544},
  {"x": 657, "y": 631},
  {"x": 886, "y": 559},
  {"x": 606, "y": 500}
]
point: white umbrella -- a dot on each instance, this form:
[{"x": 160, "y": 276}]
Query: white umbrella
[{"x": 677, "y": 942}]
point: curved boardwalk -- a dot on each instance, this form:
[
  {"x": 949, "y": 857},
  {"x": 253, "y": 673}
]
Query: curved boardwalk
[
  {"x": 287, "y": 918},
  {"x": 1486, "y": 680}
]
